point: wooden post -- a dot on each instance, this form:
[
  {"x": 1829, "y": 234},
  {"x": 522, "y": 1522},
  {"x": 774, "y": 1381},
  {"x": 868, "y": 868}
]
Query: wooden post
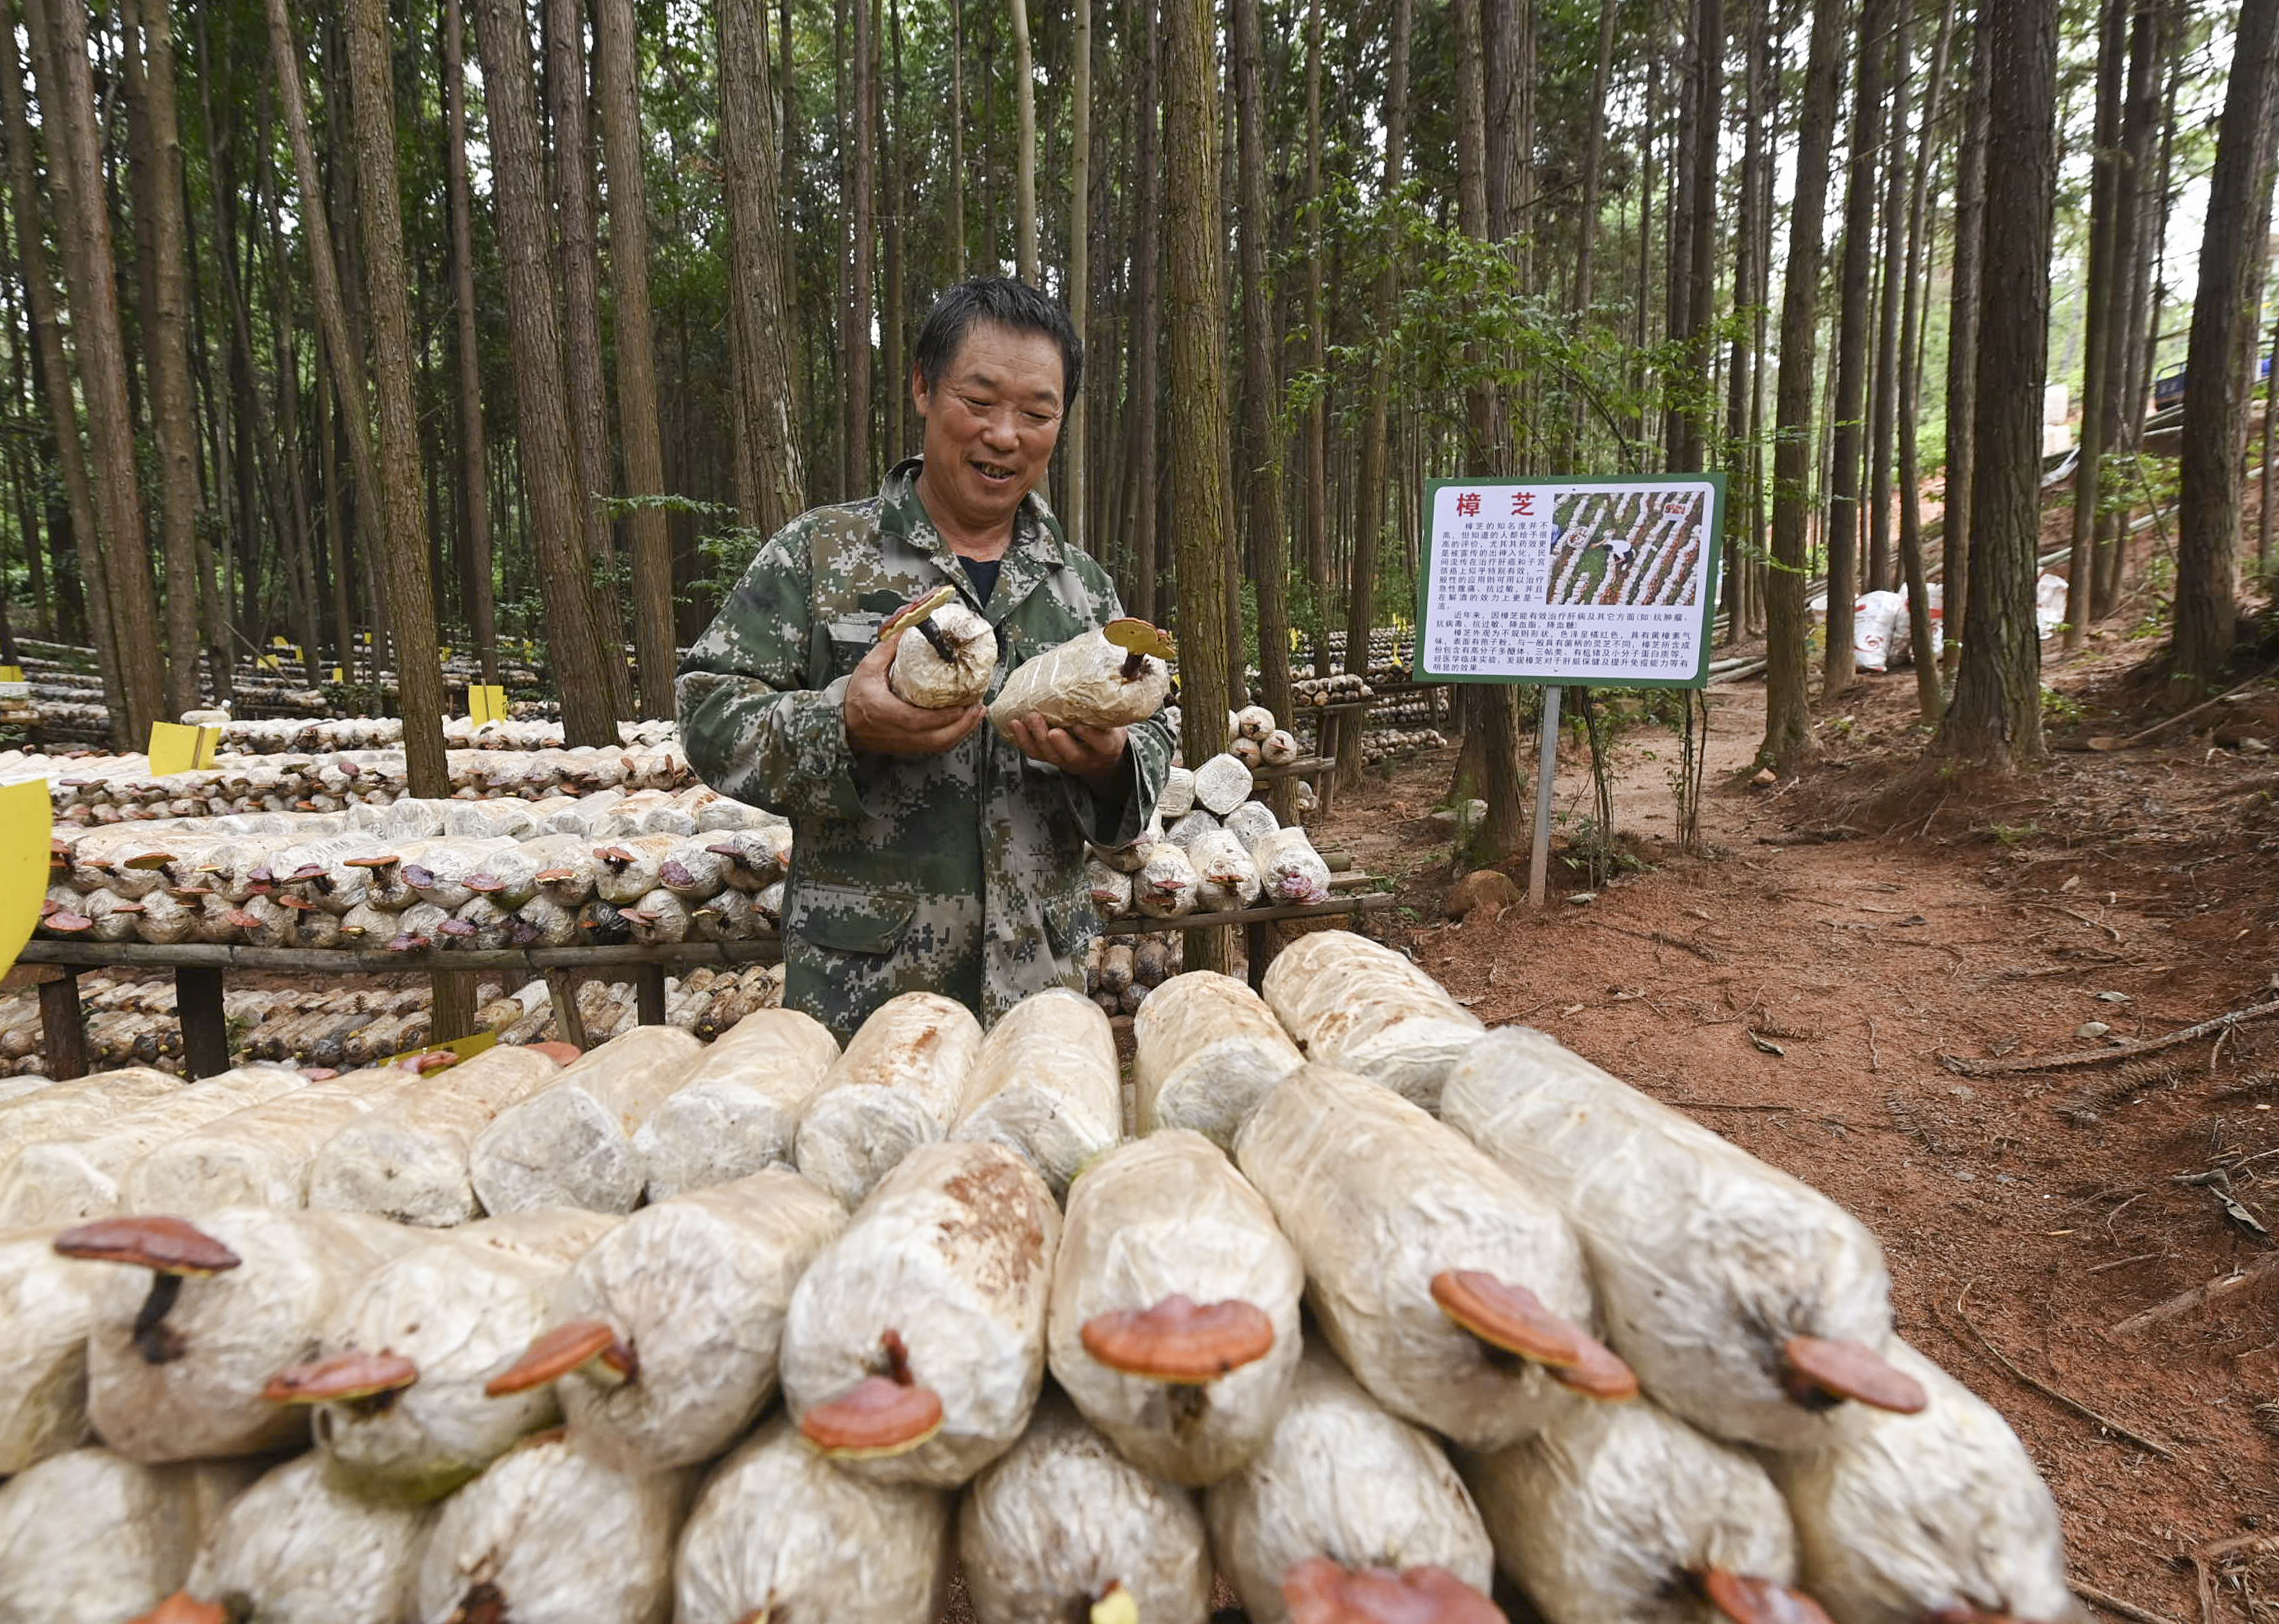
[
  {"x": 648, "y": 993},
  {"x": 569, "y": 1023},
  {"x": 205, "y": 1031},
  {"x": 61, "y": 1026},
  {"x": 1258, "y": 941}
]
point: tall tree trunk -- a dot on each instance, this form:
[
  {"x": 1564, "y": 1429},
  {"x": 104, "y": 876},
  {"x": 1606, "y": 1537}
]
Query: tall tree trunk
[
  {"x": 1742, "y": 540},
  {"x": 1075, "y": 515},
  {"x": 1883, "y": 416},
  {"x": 171, "y": 427},
  {"x": 1202, "y": 516},
  {"x": 1703, "y": 116},
  {"x": 1594, "y": 144},
  {"x": 58, "y": 29},
  {"x": 563, "y": 31},
  {"x": 52, "y": 376},
  {"x": 404, "y": 558},
  {"x": 1788, "y": 717},
  {"x": 1996, "y": 715},
  {"x": 475, "y": 488},
  {"x": 855, "y": 471},
  {"x": 1855, "y": 293},
  {"x": 590, "y": 673},
  {"x": 957, "y": 138},
  {"x": 1929, "y": 699},
  {"x": 2122, "y": 411},
  {"x": 770, "y": 488},
  {"x": 2097, "y": 314},
  {"x": 1025, "y": 150},
  {"x": 1270, "y": 535},
  {"x": 617, "y": 81},
  {"x": 2219, "y": 356},
  {"x": 894, "y": 391},
  {"x": 1362, "y": 580},
  {"x": 1964, "y": 280},
  {"x": 1147, "y": 256}
]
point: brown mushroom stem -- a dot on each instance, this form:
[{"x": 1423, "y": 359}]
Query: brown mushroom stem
[
  {"x": 1746, "y": 1599},
  {"x": 1513, "y": 1319},
  {"x": 483, "y": 1604},
  {"x": 1134, "y": 667},
  {"x": 171, "y": 1248},
  {"x": 1819, "y": 1374},
  {"x": 578, "y": 1344},
  {"x": 1317, "y": 1590},
  {"x": 1180, "y": 1341},
  {"x": 158, "y": 1343}
]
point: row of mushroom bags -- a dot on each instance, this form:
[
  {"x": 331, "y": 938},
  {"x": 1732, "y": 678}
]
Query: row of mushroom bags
[{"x": 1375, "y": 1314}]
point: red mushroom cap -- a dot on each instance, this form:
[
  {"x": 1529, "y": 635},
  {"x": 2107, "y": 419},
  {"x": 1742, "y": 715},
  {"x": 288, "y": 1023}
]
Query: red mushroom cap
[
  {"x": 1817, "y": 1373},
  {"x": 170, "y": 1245},
  {"x": 1748, "y": 1600},
  {"x": 566, "y": 1348},
  {"x": 1317, "y": 1590},
  {"x": 1513, "y": 1318},
  {"x": 352, "y": 1374},
  {"x": 1178, "y": 1340},
  {"x": 876, "y": 1417}
]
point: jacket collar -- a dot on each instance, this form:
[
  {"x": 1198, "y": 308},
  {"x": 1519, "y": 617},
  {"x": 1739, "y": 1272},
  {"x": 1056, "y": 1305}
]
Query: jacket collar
[{"x": 1038, "y": 547}]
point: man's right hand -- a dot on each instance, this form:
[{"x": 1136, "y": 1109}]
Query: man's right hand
[{"x": 878, "y": 721}]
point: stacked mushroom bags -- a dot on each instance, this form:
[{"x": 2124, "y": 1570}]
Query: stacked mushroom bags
[{"x": 1562, "y": 1340}]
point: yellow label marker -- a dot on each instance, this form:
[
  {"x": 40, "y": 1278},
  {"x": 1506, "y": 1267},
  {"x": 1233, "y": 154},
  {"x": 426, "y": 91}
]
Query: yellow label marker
[
  {"x": 486, "y": 702},
  {"x": 178, "y": 747},
  {"x": 270, "y": 661},
  {"x": 466, "y": 1048},
  {"x": 25, "y": 824},
  {"x": 338, "y": 675},
  {"x": 1116, "y": 1607},
  {"x": 11, "y": 673},
  {"x": 445, "y": 651}
]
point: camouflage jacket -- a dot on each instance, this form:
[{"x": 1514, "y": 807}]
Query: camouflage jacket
[{"x": 960, "y": 873}]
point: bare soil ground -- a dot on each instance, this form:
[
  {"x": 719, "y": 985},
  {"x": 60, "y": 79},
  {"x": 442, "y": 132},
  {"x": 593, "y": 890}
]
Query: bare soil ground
[{"x": 1796, "y": 985}]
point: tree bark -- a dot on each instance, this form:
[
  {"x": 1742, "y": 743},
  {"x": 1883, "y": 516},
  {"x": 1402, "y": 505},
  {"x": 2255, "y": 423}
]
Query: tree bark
[
  {"x": 1025, "y": 150},
  {"x": 1855, "y": 293},
  {"x": 1884, "y": 392},
  {"x": 1146, "y": 256},
  {"x": 855, "y": 471},
  {"x": 1075, "y": 513},
  {"x": 2133, "y": 213},
  {"x": 57, "y": 30},
  {"x": 1930, "y": 700},
  {"x": 1996, "y": 715},
  {"x": 173, "y": 431},
  {"x": 957, "y": 138},
  {"x": 1964, "y": 280},
  {"x": 590, "y": 673},
  {"x": 1742, "y": 541},
  {"x": 2218, "y": 359},
  {"x": 475, "y": 488},
  {"x": 2097, "y": 311},
  {"x": 770, "y": 487},
  {"x": 1316, "y": 505},
  {"x": 403, "y": 559},
  {"x": 616, "y": 79},
  {"x": 52, "y": 377},
  {"x": 1269, "y": 534},
  {"x": 1699, "y": 304},
  {"x": 1594, "y": 146},
  {"x": 1787, "y": 721},
  {"x": 1202, "y": 516}
]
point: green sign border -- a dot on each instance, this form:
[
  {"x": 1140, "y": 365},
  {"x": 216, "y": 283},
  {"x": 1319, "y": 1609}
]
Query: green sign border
[{"x": 1701, "y": 677}]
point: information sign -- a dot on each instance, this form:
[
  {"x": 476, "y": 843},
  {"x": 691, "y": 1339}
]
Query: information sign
[
  {"x": 1610, "y": 582},
  {"x": 25, "y": 825},
  {"x": 486, "y": 702},
  {"x": 178, "y": 746}
]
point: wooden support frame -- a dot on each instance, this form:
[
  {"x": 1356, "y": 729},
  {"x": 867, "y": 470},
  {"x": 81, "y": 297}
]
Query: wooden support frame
[
  {"x": 205, "y": 1028},
  {"x": 63, "y": 1026}
]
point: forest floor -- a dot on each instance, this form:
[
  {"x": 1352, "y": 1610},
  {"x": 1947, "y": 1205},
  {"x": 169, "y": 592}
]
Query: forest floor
[{"x": 1796, "y": 984}]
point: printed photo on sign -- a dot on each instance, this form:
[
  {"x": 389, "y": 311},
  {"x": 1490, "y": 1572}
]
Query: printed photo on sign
[{"x": 1562, "y": 580}]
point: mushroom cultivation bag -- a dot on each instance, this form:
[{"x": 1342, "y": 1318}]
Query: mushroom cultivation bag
[
  {"x": 1208, "y": 1049},
  {"x": 916, "y": 1342},
  {"x": 1110, "y": 678},
  {"x": 779, "y": 1532},
  {"x": 664, "y": 1337},
  {"x": 1427, "y": 1265},
  {"x": 1363, "y": 1007},
  {"x": 948, "y": 654},
  {"x": 92, "y": 1537},
  {"x": 1174, "y": 1322},
  {"x": 551, "y": 1535},
  {"x": 407, "y": 1158},
  {"x": 1046, "y": 1084},
  {"x": 46, "y": 1303},
  {"x": 1907, "y": 1517},
  {"x": 1062, "y": 1523},
  {"x": 297, "y": 1548},
  {"x": 738, "y": 1111},
  {"x": 1749, "y": 1303},
  {"x": 260, "y": 1156},
  {"x": 1621, "y": 1513},
  {"x": 571, "y": 1143},
  {"x": 1341, "y": 1478},
  {"x": 906, "y": 1077}
]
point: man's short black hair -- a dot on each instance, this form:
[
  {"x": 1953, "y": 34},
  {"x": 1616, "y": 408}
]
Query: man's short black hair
[{"x": 1009, "y": 303}]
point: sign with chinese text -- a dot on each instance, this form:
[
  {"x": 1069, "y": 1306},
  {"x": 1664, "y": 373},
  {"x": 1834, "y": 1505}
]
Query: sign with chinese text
[{"x": 1570, "y": 580}]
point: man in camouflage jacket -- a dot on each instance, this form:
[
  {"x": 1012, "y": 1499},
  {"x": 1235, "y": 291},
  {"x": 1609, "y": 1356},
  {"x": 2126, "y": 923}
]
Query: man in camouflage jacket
[{"x": 956, "y": 870}]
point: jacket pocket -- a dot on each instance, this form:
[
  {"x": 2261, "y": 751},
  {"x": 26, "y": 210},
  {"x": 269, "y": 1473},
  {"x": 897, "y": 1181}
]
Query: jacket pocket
[{"x": 850, "y": 918}]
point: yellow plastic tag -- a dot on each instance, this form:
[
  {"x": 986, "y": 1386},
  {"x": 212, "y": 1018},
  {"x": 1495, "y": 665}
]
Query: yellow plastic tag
[
  {"x": 178, "y": 747},
  {"x": 1116, "y": 1607},
  {"x": 486, "y": 702},
  {"x": 338, "y": 675},
  {"x": 25, "y": 825},
  {"x": 466, "y": 1048},
  {"x": 268, "y": 660},
  {"x": 444, "y": 652},
  {"x": 11, "y": 673}
]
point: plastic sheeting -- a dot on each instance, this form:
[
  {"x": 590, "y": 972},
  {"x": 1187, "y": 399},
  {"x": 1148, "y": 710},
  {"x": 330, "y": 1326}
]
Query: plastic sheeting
[
  {"x": 1208, "y": 1049},
  {"x": 739, "y": 1110},
  {"x": 1047, "y": 1084},
  {"x": 45, "y": 1303},
  {"x": 296, "y": 1548},
  {"x": 1083, "y": 680},
  {"x": 407, "y": 1159},
  {"x": 92, "y": 1537},
  {"x": 571, "y": 1143},
  {"x": 906, "y": 1077},
  {"x": 257, "y": 1157},
  {"x": 1363, "y": 1007}
]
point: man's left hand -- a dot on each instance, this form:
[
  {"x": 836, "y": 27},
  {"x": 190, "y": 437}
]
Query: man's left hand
[{"x": 1094, "y": 755}]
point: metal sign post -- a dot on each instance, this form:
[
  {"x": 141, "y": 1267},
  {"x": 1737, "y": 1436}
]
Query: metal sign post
[{"x": 1566, "y": 581}]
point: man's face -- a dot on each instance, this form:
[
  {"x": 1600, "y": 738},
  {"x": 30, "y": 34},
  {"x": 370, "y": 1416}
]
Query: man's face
[{"x": 992, "y": 420}]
